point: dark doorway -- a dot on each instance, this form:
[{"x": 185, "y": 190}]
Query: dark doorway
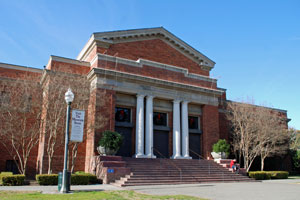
[
  {"x": 195, "y": 145},
  {"x": 125, "y": 149},
  {"x": 161, "y": 144}
]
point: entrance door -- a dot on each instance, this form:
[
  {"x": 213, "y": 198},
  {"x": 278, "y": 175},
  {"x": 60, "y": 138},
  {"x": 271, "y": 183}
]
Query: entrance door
[
  {"x": 195, "y": 145},
  {"x": 161, "y": 143},
  {"x": 125, "y": 149}
]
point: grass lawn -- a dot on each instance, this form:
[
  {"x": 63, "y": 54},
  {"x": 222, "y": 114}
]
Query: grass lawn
[
  {"x": 95, "y": 195},
  {"x": 294, "y": 177}
]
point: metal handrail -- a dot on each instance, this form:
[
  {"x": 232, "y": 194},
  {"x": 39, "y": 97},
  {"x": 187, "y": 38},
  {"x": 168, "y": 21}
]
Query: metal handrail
[
  {"x": 178, "y": 168},
  {"x": 200, "y": 157}
]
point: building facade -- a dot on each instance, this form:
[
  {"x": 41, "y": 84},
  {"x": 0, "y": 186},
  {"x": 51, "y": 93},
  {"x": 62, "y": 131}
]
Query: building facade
[{"x": 146, "y": 84}]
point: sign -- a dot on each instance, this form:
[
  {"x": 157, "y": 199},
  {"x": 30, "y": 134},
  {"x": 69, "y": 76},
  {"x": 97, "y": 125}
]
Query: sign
[
  {"x": 77, "y": 125},
  {"x": 110, "y": 170}
]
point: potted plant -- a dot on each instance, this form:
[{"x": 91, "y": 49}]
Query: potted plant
[
  {"x": 220, "y": 149},
  {"x": 110, "y": 143}
]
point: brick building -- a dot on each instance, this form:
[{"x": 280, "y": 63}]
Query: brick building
[{"x": 147, "y": 84}]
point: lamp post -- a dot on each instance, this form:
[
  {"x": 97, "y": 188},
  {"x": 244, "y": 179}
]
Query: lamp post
[{"x": 69, "y": 96}]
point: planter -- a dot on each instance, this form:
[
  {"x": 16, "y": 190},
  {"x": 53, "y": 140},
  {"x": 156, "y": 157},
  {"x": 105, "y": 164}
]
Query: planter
[
  {"x": 219, "y": 155},
  {"x": 106, "y": 151}
]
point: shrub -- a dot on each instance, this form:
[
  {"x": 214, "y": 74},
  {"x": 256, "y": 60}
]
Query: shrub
[
  {"x": 112, "y": 140},
  {"x": 266, "y": 175},
  {"x": 47, "y": 179},
  {"x": 79, "y": 178},
  {"x": 279, "y": 174},
  {"x": 6, "y": 173},
  {"x": 92, "y": 178},
  {"x": 10, "y": 180},
  {"x": 221, "y": 146}
]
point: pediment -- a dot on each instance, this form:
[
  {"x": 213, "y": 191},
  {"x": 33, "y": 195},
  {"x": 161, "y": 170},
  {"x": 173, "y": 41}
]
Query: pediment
[{"x": 106, "y": 39}]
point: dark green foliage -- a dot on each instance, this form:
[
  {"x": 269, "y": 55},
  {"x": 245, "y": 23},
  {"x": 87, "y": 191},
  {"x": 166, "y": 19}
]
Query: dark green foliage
[
  {"x": 92, "y": 178},
  {"x": 79, "y": 178},
  {"x": 47, "y": 179},
  {"x": 266, "y": 175},
  {"x": 112, "y": 140},
  {"x": 10, "y": 180},
  {"x": 221, "y": 146}
]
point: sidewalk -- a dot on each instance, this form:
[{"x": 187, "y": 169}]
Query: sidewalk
[
  {"x": 288, "y": 189},
  {"x": 53, "y": 189}
]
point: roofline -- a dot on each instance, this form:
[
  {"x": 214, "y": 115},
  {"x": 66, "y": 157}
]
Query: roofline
[
  {"x": 279, "y": 110},
  {"x": 20, "y": 67},
  {"x": 160, "y": 30}
]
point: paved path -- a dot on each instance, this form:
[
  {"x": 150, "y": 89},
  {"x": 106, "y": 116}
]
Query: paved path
[
  {"x": 53, "y": 189},
  {"x": 265, "y": 190}
]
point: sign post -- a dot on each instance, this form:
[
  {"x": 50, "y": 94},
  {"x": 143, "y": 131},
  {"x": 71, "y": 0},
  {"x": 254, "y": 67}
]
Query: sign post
[{"x": 77, "y": 125}]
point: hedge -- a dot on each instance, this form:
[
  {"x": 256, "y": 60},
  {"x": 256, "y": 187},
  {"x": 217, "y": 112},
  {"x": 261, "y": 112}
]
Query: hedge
[
  {"x": 11, "y": 180},
  {"x": 47, "y": 179},
  {"x": 266, "y": 175},
  {"x": 76, "y": 179}
]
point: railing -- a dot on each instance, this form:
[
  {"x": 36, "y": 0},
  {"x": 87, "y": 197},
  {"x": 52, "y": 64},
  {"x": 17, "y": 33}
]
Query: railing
[
  {"x": 169, "y": 162},
  {"x": 199, "y": 158}
]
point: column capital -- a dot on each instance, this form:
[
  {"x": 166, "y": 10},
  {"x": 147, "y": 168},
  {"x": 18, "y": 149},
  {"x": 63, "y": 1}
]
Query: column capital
[
  {"x": 140, "y": 95},
  {"x": 185, "y": 102},
  {"x": 150, "y": 97},
  {"x": 176, "y": 101}
]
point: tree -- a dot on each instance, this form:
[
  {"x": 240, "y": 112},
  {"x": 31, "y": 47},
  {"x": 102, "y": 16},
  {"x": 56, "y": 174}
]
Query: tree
[
  {"x": 54, "y": 106},
  {"x": 256, "y": 131},
  {"x": 273, "y": 137},
  {"x": 20, "y": 115}
]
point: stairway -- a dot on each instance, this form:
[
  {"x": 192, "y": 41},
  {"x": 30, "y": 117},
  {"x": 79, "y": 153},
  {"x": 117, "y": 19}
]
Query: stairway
[{"x": 159, "y": 171}]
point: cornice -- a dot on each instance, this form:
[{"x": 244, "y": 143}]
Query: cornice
[
  {"x": 67, "y": 60},
  {"x": 19, "y": 67},
  {"x": 93, "y": 73},
  {"x": 141, "y": 62}
]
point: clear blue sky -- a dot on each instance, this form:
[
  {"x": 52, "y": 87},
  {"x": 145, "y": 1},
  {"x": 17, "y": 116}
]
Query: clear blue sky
[{"x": 255, "y": 44}]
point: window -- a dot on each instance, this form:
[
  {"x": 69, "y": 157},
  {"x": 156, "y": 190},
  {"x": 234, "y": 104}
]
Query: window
[
  {"x": 193, "y": 122},
  {"x": 122, "y": 114},
  {"x": 160, "y": 119},
  {"x": 26, "y": 103}
]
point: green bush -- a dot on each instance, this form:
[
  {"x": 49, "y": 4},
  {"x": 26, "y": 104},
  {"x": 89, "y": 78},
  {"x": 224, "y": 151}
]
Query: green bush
[
  {"x": 266, "y": 175},
  {"x": 221, "y": 146},
  {"x": 79, "y": 178},
  {"x": 92, "y": 178},
  {"x": 47, "y": 179},
  {"x": 112, "y": 140},
  {"x": 279, "y": 174},
  {"x": 10, "y": 180},
  {"x": 6, "y": 173}
]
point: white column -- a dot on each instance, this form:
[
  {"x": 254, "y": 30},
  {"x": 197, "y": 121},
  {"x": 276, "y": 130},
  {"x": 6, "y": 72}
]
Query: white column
[
  {"x": 149, "y": 127},
  {"x": 139, "y": 131},
  {"x": 185, "y": 130},
  {"x": 176, "y": 130}
]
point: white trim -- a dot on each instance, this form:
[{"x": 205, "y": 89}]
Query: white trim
[
  {"x": 67, "y": 60},
  {"x": 19, "y": 67},
  {"x": 140, "y": 62},
  {"x": 153, "y": 80}
]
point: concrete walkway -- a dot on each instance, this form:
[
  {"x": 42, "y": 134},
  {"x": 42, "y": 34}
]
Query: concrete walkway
[
  {"x": 53, "y": 189},
  {"x": 266, "y": 190},
  {"x": 273, "y": 189}
]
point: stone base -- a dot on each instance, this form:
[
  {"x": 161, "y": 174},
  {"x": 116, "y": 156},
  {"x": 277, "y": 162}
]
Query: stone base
[
  {"x": 150, "y": 156},
  {"x": 139, "y": 156},
  {"x": 177, "y": 157}
]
